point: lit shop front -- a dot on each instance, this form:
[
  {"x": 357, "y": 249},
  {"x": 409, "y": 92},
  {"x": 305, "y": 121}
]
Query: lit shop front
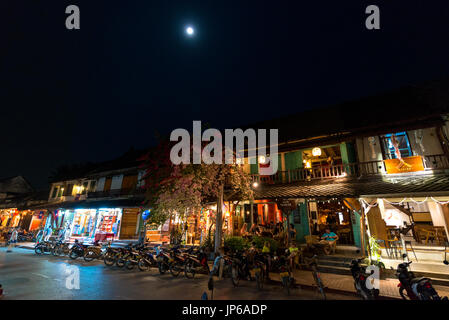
[
  {"x": 108, "y": 224},
  {"x": 10, "y": 217},
  {"x": 90, "y": 224},
  {"x": 425, "y": 220}
]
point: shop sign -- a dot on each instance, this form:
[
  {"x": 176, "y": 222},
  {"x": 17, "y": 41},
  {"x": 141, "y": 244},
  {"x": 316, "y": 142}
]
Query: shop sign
[
  {"x": 409, "y": 164},
  {"x": 286, "y": 205},
  {"x": 145, "y": 215}
]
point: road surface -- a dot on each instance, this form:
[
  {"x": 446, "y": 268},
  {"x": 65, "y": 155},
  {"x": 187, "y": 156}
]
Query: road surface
[{"x": 25, "y": 275}]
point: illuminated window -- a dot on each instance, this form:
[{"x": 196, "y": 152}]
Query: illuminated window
[
  {"x": 403, "y": 145},
  {"x": 55, "y": 192}
]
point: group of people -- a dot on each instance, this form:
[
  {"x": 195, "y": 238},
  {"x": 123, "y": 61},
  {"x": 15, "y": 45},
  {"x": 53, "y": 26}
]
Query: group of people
[{"x": 271, "y": 230}]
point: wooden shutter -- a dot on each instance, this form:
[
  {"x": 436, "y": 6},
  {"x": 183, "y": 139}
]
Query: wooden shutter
[
  {"x": 107, "y": 184},
  {"x": 129, "y": 223},
  {"x": 129, "y": 182}
]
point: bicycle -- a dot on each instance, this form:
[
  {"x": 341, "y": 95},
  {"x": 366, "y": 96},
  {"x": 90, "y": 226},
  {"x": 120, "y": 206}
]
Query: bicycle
[{"x": 312, "y": 263}]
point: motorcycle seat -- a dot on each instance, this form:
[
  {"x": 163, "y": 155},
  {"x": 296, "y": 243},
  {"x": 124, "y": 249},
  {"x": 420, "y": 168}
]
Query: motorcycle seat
[{"x": 417, "y": 280}]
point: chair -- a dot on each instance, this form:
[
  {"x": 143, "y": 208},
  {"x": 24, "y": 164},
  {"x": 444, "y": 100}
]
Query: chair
[
  {"x": 333, "y": 244},
  {"x": 311, "y": 239}
]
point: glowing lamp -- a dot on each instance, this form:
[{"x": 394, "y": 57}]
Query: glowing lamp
[
  {"x": 255, "y": 184},
  {"x": 316, "y": 152},
  {"x": 262, "y": 159}
]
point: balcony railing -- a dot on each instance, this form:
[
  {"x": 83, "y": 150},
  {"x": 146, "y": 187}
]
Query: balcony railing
[
  {"x": 370, "y": 168},
  {"x": 115, "y": 193}
]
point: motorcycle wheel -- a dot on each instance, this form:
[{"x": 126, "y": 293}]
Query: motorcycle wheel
[
  {"x": 286, "y": 285},
  {"x": 129, "y": 265},
  {"x": 259, "y": 279},
  {"x": 189, "y": 270},
  {"x": 54, "y": 251},
  {"x": 120, "y": 262},
  {"x": 38, "y": 250},
  {"x": 235, "y": 276},
  {"x": 175, "y": 270},
  {"x": 109, "y": 260},
  {"x": 73, "y": 255},
  {"x": 142, "y": 265},
  {"x": 162, "y": 268},
  {"x": 89, "y": 256}
]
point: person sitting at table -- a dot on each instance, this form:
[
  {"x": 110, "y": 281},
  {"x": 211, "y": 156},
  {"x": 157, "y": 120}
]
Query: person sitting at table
[
  {"x": 329, "y": 238},
  {"x": 243, "y": 230},
  {"x": 252, "y": 230}
]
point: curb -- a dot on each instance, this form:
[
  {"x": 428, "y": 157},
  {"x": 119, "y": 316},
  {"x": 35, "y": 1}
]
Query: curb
[{"x": 332, "y": 290}]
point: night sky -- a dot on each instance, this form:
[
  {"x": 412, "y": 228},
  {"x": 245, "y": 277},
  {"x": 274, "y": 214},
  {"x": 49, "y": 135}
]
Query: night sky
[{"x": 70, "y": 96}]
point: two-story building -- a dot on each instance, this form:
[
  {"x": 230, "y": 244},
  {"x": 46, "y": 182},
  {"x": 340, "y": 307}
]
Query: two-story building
[
  {"x": 375, "y": 163},
  {"x": 99, "y": 202}
]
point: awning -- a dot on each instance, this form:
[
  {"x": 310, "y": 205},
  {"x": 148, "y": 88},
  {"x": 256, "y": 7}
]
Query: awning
[
  {"x": 386, "y": 186},
  {"x": 93, "y": 204}
]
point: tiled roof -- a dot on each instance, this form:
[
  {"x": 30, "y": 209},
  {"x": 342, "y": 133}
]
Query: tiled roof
[{"x": 425, "y": 185}]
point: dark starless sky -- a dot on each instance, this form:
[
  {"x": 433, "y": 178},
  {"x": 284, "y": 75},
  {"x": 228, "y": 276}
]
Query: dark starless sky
[{"x": 69, "y": 96}]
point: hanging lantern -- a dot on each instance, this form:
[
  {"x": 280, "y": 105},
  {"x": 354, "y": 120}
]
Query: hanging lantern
[{"x": 316, "y": 152}]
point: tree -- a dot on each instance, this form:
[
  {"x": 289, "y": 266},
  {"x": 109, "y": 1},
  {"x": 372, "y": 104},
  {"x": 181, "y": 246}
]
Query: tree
[{"x": 186, "y": 187}]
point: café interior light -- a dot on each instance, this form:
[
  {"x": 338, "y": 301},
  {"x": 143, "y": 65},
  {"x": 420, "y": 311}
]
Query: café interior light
[
  {"x": 316, "y": 152},
  {"x": 255, "y": 184},
  {"x": 262, "y": 159}
]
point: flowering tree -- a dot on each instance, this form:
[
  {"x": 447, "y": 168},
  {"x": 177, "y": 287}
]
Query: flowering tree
[{"x": 186, "y": 187}]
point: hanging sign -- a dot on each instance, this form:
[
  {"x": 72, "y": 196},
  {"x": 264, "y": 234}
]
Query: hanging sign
[
  {"x": 409, "y": 164},
  {"x": 146, "y": 215},
  {"x": 286, "y": 205}
]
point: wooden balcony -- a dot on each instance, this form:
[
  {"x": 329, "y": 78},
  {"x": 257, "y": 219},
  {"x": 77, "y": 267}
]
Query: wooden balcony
[
  {"x": 370, "y": 168},
  {"x": 116, "y": 193}
]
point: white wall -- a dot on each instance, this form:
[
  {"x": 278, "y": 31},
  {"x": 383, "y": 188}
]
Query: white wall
[
  {"x": 436, "y": 214},
  {"x": 430, "y": 142},
  {"x": 365, "y": 152},
  {"x": 100, "y": 184},
  {"x": 116, "y": 182}
]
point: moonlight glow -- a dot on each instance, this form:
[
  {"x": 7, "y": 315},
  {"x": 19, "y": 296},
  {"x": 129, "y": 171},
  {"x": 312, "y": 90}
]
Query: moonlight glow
[{"x": 190, "y": 31}]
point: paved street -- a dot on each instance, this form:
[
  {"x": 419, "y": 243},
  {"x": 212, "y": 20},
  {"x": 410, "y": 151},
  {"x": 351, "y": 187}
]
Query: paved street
[{"x": 25, "y": 275}]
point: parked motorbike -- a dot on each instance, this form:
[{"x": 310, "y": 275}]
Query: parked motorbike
[
  {"x": 163, "y": 261},
  {"x": 178, "y": 261},
  {"x": 111, "y": 255},
  {"x": 359, "y": 275},
  {"x": 93, "y": 252},
  {"x": 43, "y": 247},
  {"x": 412, "y": 288},
  {"x": 60, "y": 249},
  {"x": 77, "y": 250},
  {"x": 147, "y": 260},
  {"x": 133, "y": 258},
  {"x": 196, "y": 263}
]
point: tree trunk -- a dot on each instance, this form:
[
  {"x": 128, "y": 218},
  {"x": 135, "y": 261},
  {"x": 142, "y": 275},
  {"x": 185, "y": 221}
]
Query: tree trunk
[{"x": 219, "y": 220}]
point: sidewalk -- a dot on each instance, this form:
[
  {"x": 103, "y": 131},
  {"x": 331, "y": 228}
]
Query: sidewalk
[{"x": 345, "y": 283}]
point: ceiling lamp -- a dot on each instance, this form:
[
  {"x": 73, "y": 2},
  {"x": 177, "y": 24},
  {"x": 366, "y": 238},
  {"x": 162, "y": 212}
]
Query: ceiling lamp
[{"x": 316, "y": 152}]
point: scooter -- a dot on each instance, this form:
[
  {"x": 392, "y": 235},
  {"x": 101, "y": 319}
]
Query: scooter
[
  {"x": 359, "y": 274},
  {"x": 412, "y": 288},
  {"x": 77, "y": 250}
]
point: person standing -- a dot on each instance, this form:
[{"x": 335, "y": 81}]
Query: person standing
[
  {"x": 12, "y": 240},
  {"x": 292, "y": 232}
]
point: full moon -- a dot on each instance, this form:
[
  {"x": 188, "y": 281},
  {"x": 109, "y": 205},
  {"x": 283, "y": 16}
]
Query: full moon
[{"x": 190, "y": 31}]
